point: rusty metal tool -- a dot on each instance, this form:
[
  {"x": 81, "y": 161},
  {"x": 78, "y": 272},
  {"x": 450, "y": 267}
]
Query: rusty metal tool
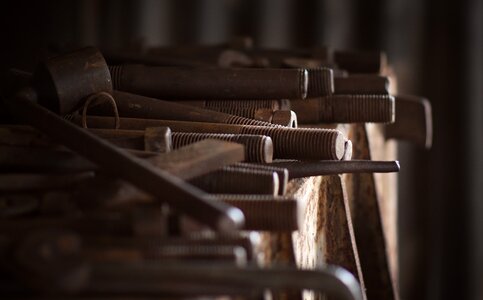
[
  {"x": 186, "y": 163},
  {"x": 321, "y": 82},
  {"x": 283, "y": 104},
  {"x": 258, "y": 148},
  {"x": 219, "y": 279},
  {"x": 278, "y": 117},
  {"x": 136, "y": 106},
  {"x": 100, "y": 191},
  {"x": 211, "y": 83},
  {"x": 414, "y": 122},
  {"x": 158, "y": 139},
  {"x": 238, "y": 180},
  {"x": 345, "y": 109},
  {"x": 283, "y": 175},
  {"x": 131, "y": 105},
  {"x": 262, "y": 212},
  {"x": 299, "y": 169},
  {"x": 320, "y": 79},
  {"x": 154, "y": 139},
  {"x": 294, "y": 143},
  {"x": 266, "y": 213},
  {"x": 62, "y": 83},
  {"x": 199, "y": 158},
  {"x": 104, "y": 193},
  {"x": 272, "y": 111},
  {"x": 286, "y": 118},
  {"x": 63, "y": 270}
]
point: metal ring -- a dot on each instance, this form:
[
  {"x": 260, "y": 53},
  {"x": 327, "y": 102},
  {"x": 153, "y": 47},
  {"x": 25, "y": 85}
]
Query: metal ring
[{"x": 96, "y": 97}]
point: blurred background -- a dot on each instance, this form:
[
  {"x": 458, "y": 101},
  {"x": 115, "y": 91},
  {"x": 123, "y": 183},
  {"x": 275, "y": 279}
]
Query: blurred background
[{"x": 435, "y": 48}]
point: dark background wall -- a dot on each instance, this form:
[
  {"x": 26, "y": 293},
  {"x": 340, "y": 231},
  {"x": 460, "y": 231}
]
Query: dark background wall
[{"x": 435, "y": 47}]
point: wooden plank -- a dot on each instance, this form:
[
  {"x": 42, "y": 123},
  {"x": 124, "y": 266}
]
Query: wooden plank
[
  {"x": 199, "y": 158},
  {"x": 338, "y": 233},
  {"x": 326, "y": 235},
  {"x": 368, "y": 227}
]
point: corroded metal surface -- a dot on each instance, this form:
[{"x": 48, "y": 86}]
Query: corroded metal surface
[
  {"x": 414, "y": 122},
  {"x": 304, "y": 225},
  {"x": 345, "y": 109},
  {"x": 210, "y": 83},
  {"x": 295, "y": 143}
]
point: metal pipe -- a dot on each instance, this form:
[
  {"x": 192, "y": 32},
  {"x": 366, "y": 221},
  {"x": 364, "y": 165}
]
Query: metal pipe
[
  {"x": 299, "y": 169},
  {"x": 210, "y": 83}
]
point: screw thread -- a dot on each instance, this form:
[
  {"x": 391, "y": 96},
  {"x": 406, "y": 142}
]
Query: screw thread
[
  {"x": 358, "y": 108},
  {"x": 245, "y": 112},
  {"x": 258, "y": 148},
  {"x": 283, "y": 174},
  {"x": 267, "y": 214},
  {"x": 321, "y": 82},
  {"x": 302, "y": 143},
  {"x": 227, "y": 104},
  {"x": 246, "y": 121},
  {"x": 284, "y": 118},
  {"x": 116, "y": 76},
  {"x": 254, "y": 197},
  {"x": 232, "y": 180}
]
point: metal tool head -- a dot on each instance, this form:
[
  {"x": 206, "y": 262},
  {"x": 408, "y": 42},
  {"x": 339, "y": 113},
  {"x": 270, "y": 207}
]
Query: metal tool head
[
  {"x": 63, "y": 81},
  {"x": 413, "y": 121},
  {"x": 285, "y": 117},
  {"x": 158, "y": 139}
]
